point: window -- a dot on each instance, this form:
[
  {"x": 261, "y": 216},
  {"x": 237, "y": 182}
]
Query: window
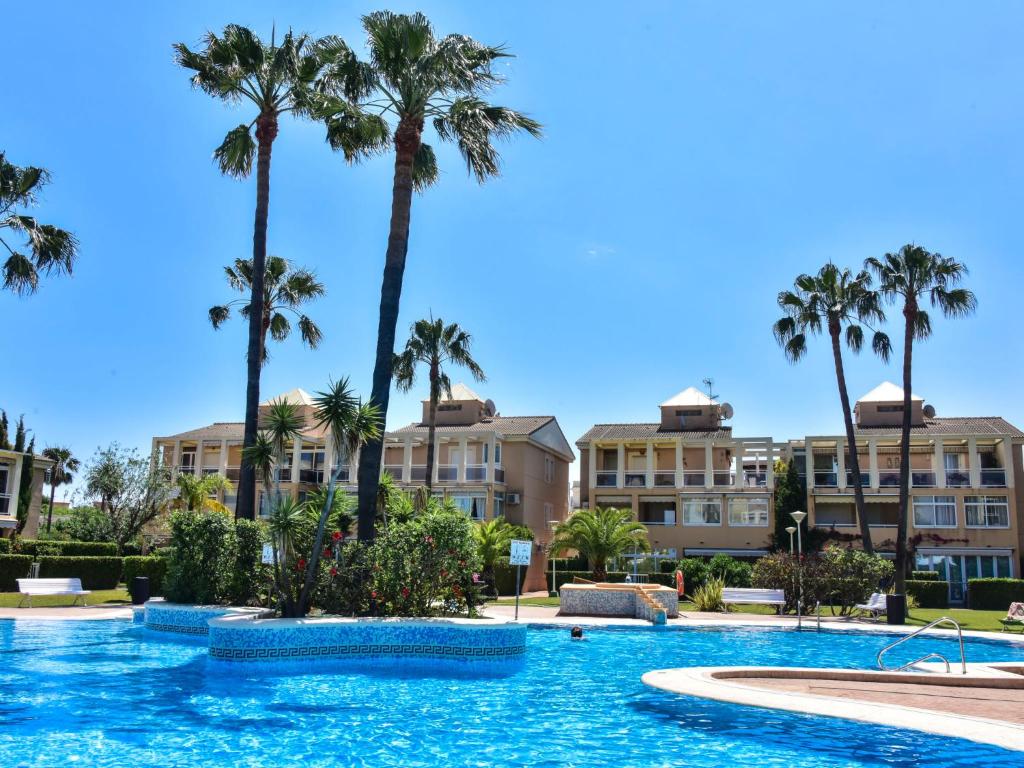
[
  {"x": 658, "y": 512},
  {"x": 702, "y": 510},
  {"x": 472, "y": 505},
  {"x": 450, "y": 407},
  {"x": 935, "y": 512},
  {"x": 549, "y": 512},
  {"x": 890, "y": 409},
  {"x": 752, "y": 512},
  {"x": 497, "y": 454},
  {"x": 986, "y": 512},
  {"x": 688, "y": 412},
  {"x": 549, "y": 469},
  {"x": 951, "y": 461},
  {"x": 499, "y": 504},
  {"x": 311, "y": 464}
]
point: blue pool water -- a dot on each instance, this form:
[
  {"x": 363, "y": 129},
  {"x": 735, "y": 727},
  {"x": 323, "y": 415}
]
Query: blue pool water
[{"x": 111, "y": 694}]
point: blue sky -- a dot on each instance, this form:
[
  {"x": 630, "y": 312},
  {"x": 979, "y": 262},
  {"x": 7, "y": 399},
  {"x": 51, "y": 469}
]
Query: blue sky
[{"x": 697, "y": 157}]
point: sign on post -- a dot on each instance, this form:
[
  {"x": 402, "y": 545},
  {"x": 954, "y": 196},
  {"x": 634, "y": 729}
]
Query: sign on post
[
  {"x": 519, "y": 555},
  {"x": 268, "y": 554}
]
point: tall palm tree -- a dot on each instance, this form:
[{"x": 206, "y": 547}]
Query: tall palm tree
[
  {"x": 61, "y": 473},
  {"x": 194, "y": 492},
  {"x": 912, "y": 276},
  {"x": 434, "y": 344},
  {"x": 276, "y": 79},
  {"x": 285, "y": 289},
  {"x": 51, "y": 250},
  {"x": 839, "y": 303},
  {"x": 599, "y": 535},
  {"x": 412, "y": 77}
]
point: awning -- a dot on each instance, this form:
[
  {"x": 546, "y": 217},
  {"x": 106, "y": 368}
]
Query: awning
[
  {"x": 708, "y": 552},
  {"x": 848, "y": 499},
  {"x": 965, "y": 551}
]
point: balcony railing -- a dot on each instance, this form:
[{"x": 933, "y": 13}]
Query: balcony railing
[
  {"x": 233, "y": 473},
  {"x": 186, "y": 469},
  {"x": 499, "y": 474},
  {"x": 693, "y": 479},
  {"x": 888, "y": 478},
  {"x": 922, "y": 479},
  {"x": 476, "y": 473},
  {"x": 395, "y": 470},
  {"x": 286, "y": 474},
  {"x": 418, "y": 473},
  {"x": 958, "y": 478},
  {"x": 825, "y": 479},
  {"x": 723, "y": 477},
  {"x": 755, "y": 479},
  {"x": 314, "y": 476},
  {"x": 664, "y": 479},
  {"x": 211, "y": 471},
  {"x": 635, "y": 479},
  {"x": 607, "y": 479},
  {"x": 447, "y": 473},
  {"x": 865, "y": 479},
  {"x": 994, "y": 477}
]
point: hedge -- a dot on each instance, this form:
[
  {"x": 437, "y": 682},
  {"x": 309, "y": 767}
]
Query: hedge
[
  {"x": 994, "y": 594},
  {"x": 928, "y": 592},
  {"x": 924, "y": 575},
  {"x": 95, "y": 572},
  {"x": 12, "y": 568},
  {"x": 72, "y": 548},
  {"x": 152, "y": 568},
  {"x": 505, "y": 577},
  {"x": 5, "y": 546}
]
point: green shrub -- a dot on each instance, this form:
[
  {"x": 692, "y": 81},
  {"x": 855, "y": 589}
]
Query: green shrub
[
  {"x": 929, "y": 593},
  {"x": 66, "y": 548},
  {"x": 566, "y": 577},
  {"x": 153, "y": 568},
  {"x": 994, "y": 594},
  {"x": 200, "y": 567},
  {"x": 667, "y": 566},
  {"x": 95, "y": 572},
  {"x": 577, "y": 563},
  {"x": 249, "y": 577},
  {"x": 12, "y": 568},
  {"x": 731, "y": 572},
  {"x": 505, "y": 577},
  {"x": 5, "y": 546},
  {"x": 924, "y": 575},
  {"x": 849, "y": 577},
  {"x": 85, "y": 524},
  {"x": 708, "y": 597}
]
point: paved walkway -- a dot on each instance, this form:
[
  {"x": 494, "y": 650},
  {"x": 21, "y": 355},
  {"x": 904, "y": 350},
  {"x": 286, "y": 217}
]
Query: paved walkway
[{"x": 84, "y": 612}]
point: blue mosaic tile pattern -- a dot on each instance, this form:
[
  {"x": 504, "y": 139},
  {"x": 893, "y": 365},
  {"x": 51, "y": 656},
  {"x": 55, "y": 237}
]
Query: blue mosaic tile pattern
[
  {"x": 369, "y": 642},
  {"x": 189, "y": 619}
]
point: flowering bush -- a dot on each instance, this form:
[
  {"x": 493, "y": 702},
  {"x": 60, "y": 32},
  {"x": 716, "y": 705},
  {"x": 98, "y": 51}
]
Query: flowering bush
[{"x": 838, "y": 576}]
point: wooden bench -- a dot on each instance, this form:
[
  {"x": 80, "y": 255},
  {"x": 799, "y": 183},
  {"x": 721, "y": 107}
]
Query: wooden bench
[
  {"x": 30, "y": 587},
  {"x": 741, "y": 596}
]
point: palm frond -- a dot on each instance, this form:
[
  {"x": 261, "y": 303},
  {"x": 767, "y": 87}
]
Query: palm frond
[{"x": 235, "y": 155}]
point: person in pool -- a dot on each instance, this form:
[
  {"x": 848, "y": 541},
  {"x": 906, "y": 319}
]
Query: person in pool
[{"x": 576, "y": 633}]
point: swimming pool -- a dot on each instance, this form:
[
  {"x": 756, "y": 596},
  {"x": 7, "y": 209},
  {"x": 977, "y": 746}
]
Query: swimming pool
[{"x": 112, "y": 694}]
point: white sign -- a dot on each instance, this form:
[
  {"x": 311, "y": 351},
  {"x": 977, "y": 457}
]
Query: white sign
[
  {"x": 519, "y": 554},
  {"x": 268, "y": 554}
]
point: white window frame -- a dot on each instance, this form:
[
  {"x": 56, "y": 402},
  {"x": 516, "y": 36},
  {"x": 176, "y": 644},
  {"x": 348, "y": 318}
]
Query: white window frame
[
  {"x": 703, "y": 501},
  {"x": 481, "y": 500},
  {"x": 931, "y": 502},
  {"x": 983, "y": 503},
  {"x": 747, "y": 511},
  {"x": 499, "y": 504}
]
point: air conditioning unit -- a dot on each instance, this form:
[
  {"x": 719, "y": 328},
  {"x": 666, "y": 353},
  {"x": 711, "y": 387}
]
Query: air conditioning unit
[{"x": 512, "y": 498}]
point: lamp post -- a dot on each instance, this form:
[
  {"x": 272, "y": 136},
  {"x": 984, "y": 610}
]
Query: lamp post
[
  {"x": 798, "y": 518},
  {"x": 791, "y": 530},
  {"x": 553, "y": 524}
]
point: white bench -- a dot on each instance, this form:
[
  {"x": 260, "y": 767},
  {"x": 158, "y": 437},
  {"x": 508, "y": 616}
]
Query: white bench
[
  {"x": 876, "y": 605},
  {"x": 30, "y": 587},
  {"x": 738, "y": 595}
]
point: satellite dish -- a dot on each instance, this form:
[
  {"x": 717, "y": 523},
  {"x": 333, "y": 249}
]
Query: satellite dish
[
  {"x": 489, "y": 408},
  {"x": 727, "y": 411},
  {"x": 929, "y": 411}
]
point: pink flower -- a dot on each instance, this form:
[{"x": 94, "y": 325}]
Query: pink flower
[
  {"x": 373, "y": 595},
  {"x": 334, "y": 572},
  {"x": 326, "y": 552}
]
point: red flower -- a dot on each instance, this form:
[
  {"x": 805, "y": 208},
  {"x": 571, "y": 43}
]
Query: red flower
[
  {"x": 462, "y": 563},
  {"x": 327, "y": 552},
  {"x": 456, "y": 590},
  {"x": 334, "y": 572},
  {"x": 301, "y": 564},
  {"x": 337, "y": 536},
  {"x": 405, "y": 591},
  {"x": 429, "y": 540},
  {"x": 443, "y": 573},
  {"x": 373, "y": 595}
]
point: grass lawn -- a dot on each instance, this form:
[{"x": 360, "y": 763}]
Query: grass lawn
[
  {"x": 11, "y": 599},
  {"x": 544, "y": 601}
]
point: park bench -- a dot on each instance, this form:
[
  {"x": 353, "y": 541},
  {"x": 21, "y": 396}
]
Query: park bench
[
  {"x": 30, "y": 587},
  {"x": 741, "y": 596}
]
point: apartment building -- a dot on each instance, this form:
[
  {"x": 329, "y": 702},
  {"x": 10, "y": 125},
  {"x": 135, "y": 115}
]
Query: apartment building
[
  {"x": 965, "y": 512},
  {"x": 12, "y": 467},
  {"x": 699, "y": 488},
  {"x": 488, "y": 464}
]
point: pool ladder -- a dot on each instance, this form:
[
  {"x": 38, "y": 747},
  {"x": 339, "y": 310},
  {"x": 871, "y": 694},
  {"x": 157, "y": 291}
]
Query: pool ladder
[{"x": 942, "y": 620}]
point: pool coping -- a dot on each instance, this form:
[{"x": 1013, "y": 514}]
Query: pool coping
[{"x": 702, "y": 682}]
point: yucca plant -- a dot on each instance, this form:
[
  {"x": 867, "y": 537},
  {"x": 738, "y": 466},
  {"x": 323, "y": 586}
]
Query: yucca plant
[{"x": 708, "y": 597}]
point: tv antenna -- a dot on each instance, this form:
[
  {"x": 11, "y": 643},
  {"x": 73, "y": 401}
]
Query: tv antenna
[{"x": 709, "y": 385}]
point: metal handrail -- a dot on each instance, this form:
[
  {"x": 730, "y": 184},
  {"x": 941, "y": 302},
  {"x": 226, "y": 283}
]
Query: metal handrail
[{"x": 941, "y": 620}]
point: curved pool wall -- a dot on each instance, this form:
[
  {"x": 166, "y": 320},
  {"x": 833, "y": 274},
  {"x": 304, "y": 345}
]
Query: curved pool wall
[
  {"x": 470, "y": 644},
  {"x": 185, "y": 619}
]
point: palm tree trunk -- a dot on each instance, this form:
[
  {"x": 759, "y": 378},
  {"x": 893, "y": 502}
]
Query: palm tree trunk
[
  {"x": 53, "y": 491},
  {"x": 266, "y": 132},
  {"x": 432, "y": 426},
  {"x": 318, "y": 543},
  {"x": 851, "y": 442},
  {"x": 909, "y": 315},
  {"x": 407, "y": 142}
]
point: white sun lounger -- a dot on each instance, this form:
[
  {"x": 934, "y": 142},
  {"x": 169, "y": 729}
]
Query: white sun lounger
[{"x": 875, "y": 605}]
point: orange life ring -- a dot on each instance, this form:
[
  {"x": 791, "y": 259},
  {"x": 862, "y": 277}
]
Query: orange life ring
[{"x": 680, "y": 583}]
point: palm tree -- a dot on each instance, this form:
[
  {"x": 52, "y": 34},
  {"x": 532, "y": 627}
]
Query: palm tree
[
  {"x": 285, "y": 289},
  {"x": 599, "y": 535},
  {"x": 913, "y": 275},
  {"x": 61, "y": 473},
  {"x": 194, "y": 492},
  {"x": 493, "y": 539},
  {"x": 277, "y": 79},
  {"x": 412, "y": 77},
  {"x": 434, "y": 344},
  {"x": 840, "y": 303},
  {"x": 51, "y": 249},
  {"x": 282, "y": 424}
]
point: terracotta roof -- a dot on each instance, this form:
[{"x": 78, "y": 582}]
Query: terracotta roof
[
  {"x": 648, "y": 432},
  {"x": 507, "y": 425},
  {"x": 219, "y": 430},
  {"x": 952, "y": 425}
]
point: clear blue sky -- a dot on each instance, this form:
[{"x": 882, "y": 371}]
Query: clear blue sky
[{"x": 695, "y": 160}]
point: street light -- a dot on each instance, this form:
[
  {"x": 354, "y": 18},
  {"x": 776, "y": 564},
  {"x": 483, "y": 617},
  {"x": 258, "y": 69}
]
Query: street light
[
  {"x": 798, "y": 517},
  {"x": 791, "y": 530},
  {"x": 553, "y": 524}
]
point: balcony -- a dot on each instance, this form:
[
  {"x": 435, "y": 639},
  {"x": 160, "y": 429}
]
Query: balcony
[
  {"x": 922, "y": 479},
  {"x": 635, "y": 479},
  {"x": 476, "y": 473},
  {"x": 499, "y": 474},
  {"x": 888, "y": 478},
  {"x": 312, "y": 476},
  {"x": 395, "y": 470},
  {"x": 723, "y": 477},
  {"x": 664, "y": 479},
  {"x": 233, "y": 473},
  {"x": 993, "y": 478},
  {"x": 693, "y": 479},
  {"x": 755, "y": 479},
  {"x": 286, "y": 474},
  {"x": 211, "y": 471},
  {"x": 607, "y": 479},
  {"x": 447, "y": 473},
  {"x": 958, "y": 478},
  {"x": 186, "y": 469},
  {"x": 825, "y": 479},
  {"x": 865, "y": 479},
  {"x": 418, "y": 473}
]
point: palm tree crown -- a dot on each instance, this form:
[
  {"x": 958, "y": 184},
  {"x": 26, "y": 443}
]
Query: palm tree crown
[
  {"x": 51, "y": 250},
  {"x": 434, "y": 344},
  {"x": 61, "y": 472},
  {"x": 599, "y": 535},
  {"x": 194, "y": 492},
  {"x": 285, "y": 289}
]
